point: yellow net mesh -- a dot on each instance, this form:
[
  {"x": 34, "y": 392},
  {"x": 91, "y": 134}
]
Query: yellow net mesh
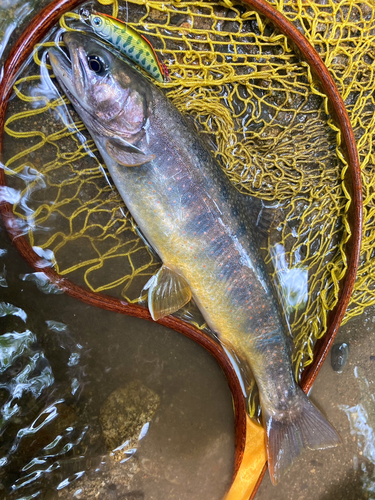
[
  {"x": 343, "y": 34},
  {"x": 258, "y": 105}
]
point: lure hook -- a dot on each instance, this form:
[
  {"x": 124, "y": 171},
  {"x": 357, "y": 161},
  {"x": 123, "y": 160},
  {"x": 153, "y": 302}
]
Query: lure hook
[{"x": 85, "y": 14}]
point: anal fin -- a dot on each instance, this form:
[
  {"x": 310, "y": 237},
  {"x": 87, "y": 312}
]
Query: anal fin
[{"x": 167, "y": 293}]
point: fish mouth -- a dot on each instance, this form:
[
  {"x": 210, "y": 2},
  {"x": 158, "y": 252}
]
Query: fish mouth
[{"x": 71, "y": 71}]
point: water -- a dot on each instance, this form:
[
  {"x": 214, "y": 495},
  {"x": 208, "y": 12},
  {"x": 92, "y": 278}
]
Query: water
[
  {"x": 61, "y": 360},
  {"x": 13, "y": 14}
]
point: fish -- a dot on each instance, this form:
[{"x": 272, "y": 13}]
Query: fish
[
  {"x": 196, "y": 221},
  {"x": 128, "y": 41}
]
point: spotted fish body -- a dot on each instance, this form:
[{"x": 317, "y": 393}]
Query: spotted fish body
[
  {"x": 194, "y": 219},
  {"x": 129, "y": 42}
]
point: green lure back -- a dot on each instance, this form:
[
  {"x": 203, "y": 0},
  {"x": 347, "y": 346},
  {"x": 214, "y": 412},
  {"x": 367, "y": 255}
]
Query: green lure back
[{"x": 128, "y": 41}]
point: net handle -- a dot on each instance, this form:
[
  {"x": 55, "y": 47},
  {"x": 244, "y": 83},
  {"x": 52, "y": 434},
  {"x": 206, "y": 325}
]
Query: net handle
[{"x": 22, "y": 49}]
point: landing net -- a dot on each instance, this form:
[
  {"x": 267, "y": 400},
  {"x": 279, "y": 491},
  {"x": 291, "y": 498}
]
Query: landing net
[{"x": 259, "y": 108}]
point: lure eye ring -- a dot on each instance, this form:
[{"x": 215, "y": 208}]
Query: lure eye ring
[
  {"x": 97, "y": 22},
  {"x": 96, "y": 64}
]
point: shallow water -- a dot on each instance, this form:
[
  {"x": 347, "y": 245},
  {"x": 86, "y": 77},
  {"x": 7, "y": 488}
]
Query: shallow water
[{"x": 61, "y": 359}]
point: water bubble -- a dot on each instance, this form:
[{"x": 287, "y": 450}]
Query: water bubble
[
  {"x": 48, "y": 257},
  {"x": 74, "y": 359},
  {"x": 14, "y": 345},
  {"x": 56, "y": 326},
  {"x": 9, "y": 195}
]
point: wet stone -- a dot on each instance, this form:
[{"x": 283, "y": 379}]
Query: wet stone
[
  {"x": 124, "y": 415},
  {"x": 136, "y": 495},
  {"x": 339, "y": 356},
  {"x": 110, "y": 481}
]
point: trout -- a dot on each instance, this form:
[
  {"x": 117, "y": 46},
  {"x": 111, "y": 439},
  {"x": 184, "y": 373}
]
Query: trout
[{"x": 195, "y": 220}]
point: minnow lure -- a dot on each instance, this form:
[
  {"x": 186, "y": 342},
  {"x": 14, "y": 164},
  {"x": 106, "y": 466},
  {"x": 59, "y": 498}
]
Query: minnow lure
[{"x": 128, "y": 41}]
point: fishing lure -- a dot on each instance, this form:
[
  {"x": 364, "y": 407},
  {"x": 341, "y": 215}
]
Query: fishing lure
[{"x": 125, "y": 39}]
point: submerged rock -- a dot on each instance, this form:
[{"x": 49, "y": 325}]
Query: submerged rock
[
  {"x": 109, "y": 481},
  {"x": 125, "y": 417}
]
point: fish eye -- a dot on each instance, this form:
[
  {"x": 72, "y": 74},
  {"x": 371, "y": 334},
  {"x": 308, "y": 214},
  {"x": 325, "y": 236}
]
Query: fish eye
[
  {"x": 96, "y": 64},
  {"x": 97, "y": 21}
]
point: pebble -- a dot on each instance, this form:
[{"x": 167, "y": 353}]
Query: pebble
[
  {"x": 339, "y": 356},
  {"x": 123, "y": 416}
]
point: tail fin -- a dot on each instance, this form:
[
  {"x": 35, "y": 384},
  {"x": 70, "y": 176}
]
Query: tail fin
[{"x": 289, "y": 432}]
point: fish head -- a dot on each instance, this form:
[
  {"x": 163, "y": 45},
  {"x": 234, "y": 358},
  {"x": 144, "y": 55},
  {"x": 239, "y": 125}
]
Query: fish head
[{"x": 108, "y": 94}]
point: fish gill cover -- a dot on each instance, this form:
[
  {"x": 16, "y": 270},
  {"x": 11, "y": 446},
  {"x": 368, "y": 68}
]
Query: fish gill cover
[{"x": 265, "y": 120}]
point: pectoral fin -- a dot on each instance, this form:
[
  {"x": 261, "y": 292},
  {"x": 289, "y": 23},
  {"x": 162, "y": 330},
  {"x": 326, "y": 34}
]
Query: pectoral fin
[
  {"x": 167, "y": 293},
  {"x": 126, "y": 154}
]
